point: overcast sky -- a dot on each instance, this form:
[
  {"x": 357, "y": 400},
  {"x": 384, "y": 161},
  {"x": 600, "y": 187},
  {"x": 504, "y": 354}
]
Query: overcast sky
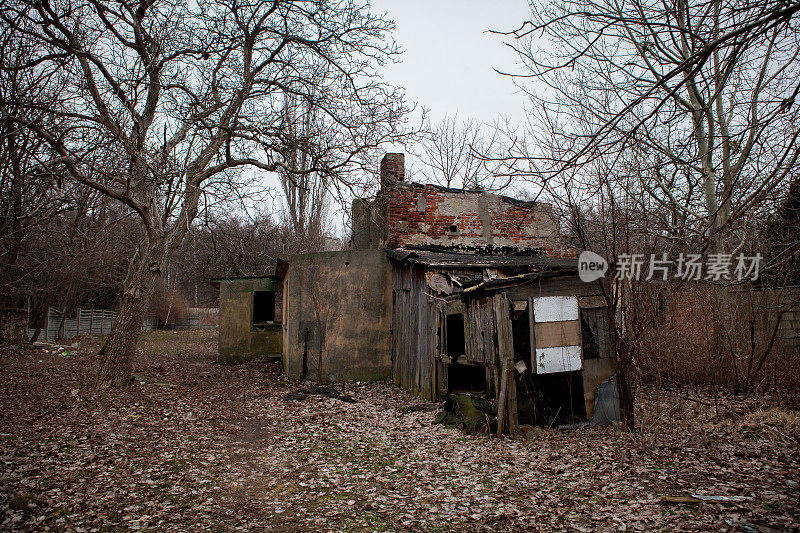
[
  {"x": 448, "y": 61},
  {"x": 449, "y": 58}
]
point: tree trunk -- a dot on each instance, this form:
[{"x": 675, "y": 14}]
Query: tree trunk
[
  {"x": 625, "y": 392},
  {"x": 624, "y": 350},
  {"x": 116, "y": 363}
]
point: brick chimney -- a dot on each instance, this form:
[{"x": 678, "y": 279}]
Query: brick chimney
[{"x": 393, "y": 168}]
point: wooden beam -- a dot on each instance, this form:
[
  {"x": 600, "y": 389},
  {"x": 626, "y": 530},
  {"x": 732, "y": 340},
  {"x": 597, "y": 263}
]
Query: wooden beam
[
  {"x": 532, "y": 330},
  {"x": 507, "y": 399}
]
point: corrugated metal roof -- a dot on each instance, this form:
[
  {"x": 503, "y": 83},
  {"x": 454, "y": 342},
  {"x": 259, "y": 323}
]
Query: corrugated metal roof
[
  {"x": 500, "y": 283},
  {"x": 456, "y": 260}
]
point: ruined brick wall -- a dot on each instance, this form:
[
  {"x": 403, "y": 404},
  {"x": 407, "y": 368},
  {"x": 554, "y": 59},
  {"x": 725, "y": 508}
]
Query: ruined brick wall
[
  {"x": 470, "y": 221},
  {"x": 427, "y": 215}
]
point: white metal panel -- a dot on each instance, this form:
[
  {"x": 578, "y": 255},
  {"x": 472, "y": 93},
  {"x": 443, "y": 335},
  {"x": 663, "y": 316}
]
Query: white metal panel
[
  {"x": 555, "y": 308},
  {"x": 558, "y": 359}
]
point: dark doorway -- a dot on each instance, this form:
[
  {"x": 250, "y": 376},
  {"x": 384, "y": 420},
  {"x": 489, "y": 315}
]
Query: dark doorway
[
  {"x": 521, "y": 333},
  {"x": 263, "y": 308},
  {"x": 466, "y": 378},
  {"x": 552, "y": 399},
  {"x": 456, "y": 346}
]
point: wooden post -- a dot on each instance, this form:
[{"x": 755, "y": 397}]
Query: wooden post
[
  {"x": 513, "y": 415},
  {"x": 507, "y": 419},
  {"x": 532, "y": 326},
  {"x": 501, "y": 400}
]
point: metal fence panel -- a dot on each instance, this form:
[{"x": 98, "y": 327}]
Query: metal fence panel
[
  {"x": 53, "y": 325},
  {"x": 107, "y": 322},
  {"x": 70, "y": 328},
  {"x": 86, "y": 322}
]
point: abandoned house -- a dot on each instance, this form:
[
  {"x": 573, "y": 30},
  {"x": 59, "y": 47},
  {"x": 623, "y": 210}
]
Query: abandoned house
[
  {"x": 448, "y": 290},
  {"x": 249, "y": 318}
]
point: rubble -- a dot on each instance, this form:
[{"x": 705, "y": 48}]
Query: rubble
[{"x": 325, "y": 391}]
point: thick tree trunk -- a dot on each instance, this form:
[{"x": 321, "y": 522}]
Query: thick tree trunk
[
  {"x": 116, "y": 364},
  {"x": 116, "y": 357}
]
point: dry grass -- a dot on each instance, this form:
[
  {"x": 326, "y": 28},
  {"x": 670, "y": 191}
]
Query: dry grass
[
  {"x": 771, "y": 421},
  {"x": 710, "y": 339}
]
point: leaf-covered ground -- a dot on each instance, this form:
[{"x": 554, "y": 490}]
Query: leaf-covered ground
[{"x": 195, "y": 445}]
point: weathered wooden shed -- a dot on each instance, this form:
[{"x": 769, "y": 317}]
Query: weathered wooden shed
[{"x": 524, "y": 330}]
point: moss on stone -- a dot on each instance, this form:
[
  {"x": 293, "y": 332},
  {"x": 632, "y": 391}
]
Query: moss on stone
[
  {"x": 21, "y": 502},
  {"x": 472, "y": 414}
]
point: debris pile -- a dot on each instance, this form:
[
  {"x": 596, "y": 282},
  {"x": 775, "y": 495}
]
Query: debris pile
[{"x": 54, "y": 349}]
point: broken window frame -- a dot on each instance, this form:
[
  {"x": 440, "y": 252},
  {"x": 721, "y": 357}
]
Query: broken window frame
[
  {"x": 261, "y": 324},
  {"x": 589, "y": 346}
]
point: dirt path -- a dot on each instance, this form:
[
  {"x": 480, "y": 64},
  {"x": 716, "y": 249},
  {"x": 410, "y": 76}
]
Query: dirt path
[{"x": 202, "y": 446}]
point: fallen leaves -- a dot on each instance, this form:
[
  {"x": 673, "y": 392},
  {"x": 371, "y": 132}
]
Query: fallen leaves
[{"x": 202, "y": 446}]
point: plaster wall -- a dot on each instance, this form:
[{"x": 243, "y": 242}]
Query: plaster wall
[
  {"x": 238, "y": 339},
  {"x": 337, "y": 316}
]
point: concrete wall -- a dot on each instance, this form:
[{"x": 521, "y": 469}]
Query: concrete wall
[
  {"x": 238, "y": 339},
  {"x": 339, "y": 303},
  {"x": 369, "y": 224}
]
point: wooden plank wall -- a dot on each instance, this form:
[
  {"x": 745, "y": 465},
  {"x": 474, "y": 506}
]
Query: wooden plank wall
[
  {"x": 479, "y": 330},
  {"x": 415, "y": 326}
]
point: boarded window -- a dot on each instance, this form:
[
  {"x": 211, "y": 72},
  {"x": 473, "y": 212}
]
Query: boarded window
[
  {"x": 557, "y": 333},
  {"x": 455, "y": 335},
  {"x": 555, "y": 308},
  {"x": 263, "y": 308},
  {"x": 558, "y": 359}
]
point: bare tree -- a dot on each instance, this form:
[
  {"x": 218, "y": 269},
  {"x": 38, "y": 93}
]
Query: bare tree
[
  {"x": 166, "y": 101},
  {"x": 452, "y": 151},
  {"x": 30, "y": 195},
  {"x": 696, "y": 98},
  {"x": 659, "y": 128},
  {"x": 305, "y": 193}
]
